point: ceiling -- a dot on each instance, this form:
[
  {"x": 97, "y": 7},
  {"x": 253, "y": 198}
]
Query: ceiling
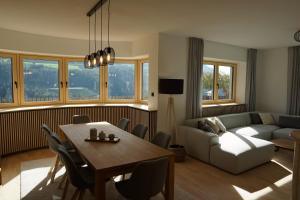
[{"x": 245, "y": 23}]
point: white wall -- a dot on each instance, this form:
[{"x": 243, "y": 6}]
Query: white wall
[
  {"x": 172, "y": 63},
  {"x": 271, "y": 82},
  {"x": 25, "y": 42}
]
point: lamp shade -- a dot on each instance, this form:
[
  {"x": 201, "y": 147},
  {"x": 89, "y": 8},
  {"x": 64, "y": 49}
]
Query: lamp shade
[{"x": 171, "y": 86}]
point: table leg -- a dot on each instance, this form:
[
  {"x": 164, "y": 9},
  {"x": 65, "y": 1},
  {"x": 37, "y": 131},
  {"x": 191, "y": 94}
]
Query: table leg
[
  {"x": 169, "y": 186},
  {"x": 99, "y": 186}
]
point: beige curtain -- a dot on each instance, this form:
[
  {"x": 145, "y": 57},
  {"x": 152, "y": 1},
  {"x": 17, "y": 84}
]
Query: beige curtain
[{"x": 194, "y": 83}]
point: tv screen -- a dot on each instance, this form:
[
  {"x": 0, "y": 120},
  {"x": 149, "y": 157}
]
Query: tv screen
[{"x": 170, "y": 86}]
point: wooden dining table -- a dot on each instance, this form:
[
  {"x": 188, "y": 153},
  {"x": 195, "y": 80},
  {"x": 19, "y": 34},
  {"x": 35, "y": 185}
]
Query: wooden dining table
[{"x": 113, "y": 159}]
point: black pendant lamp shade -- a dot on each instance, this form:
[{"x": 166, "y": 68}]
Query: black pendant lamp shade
[
  {"x": 102, "y": 57},
  {"x": 110, "y": 55}
]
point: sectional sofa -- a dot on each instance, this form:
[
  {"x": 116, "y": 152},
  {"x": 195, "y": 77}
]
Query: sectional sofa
[{"x": 245, "y": 144}]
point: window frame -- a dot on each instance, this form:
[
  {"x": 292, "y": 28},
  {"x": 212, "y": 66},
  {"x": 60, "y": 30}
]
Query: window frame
[
  {"x": 216, "y": 65},
  {"x": 66, "y": 81},
  {"x": 141, "y": 62},
  {"x": 106, "y": 99},
  {"x": 60, "y": 79},
  {"x": 15, "y": 79}
]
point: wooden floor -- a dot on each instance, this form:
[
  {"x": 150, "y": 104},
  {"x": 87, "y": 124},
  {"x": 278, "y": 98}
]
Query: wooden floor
[{"x": 200, "y": 180}]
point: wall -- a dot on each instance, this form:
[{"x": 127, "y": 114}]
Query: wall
[
  {"x": 25, "y": 42},
  {"x": 172, "y": 63},
  {"x": 272, "y": 67}
]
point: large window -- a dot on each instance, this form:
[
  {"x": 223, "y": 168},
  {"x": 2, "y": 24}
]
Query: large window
[
  {"x": 6, "y": 80},
  {"x": 145, "y": 80},
  {"x": 41, "y": 80},
  {"x": 83, "y": 84},
  {"x": 121, "y": 81},
  {"x": 218, "y": 82}
]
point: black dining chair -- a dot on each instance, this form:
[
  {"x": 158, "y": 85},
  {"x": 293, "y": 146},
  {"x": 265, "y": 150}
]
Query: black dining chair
[
  {"x": 81, "y": 177},
  {"x": 80, "y": 119},
  {"x": 146, "y": 181},
  {"x": 161, "y": 139},
  {"x": 53, "y": 142},
  {"x": 123, "y": 124},
  {"x": 140, "y": 131}
]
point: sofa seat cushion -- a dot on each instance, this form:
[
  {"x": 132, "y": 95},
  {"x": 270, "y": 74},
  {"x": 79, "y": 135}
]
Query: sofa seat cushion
[
  {"x": 260, "y": 131},
  {"x": 236, "y": 153},
  {"x": 284, "y": 133},
  {"x": 231, "y": 121}
]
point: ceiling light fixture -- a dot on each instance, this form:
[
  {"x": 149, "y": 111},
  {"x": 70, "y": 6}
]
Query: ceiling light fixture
[
  {"x": 88, "y": 59},
  {"x": 105, "y": 56},
  {"x": 297, "y": 36}
]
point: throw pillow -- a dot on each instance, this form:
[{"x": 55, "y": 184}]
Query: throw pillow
[
  {"x": 220, "y": 124},
  {"x": 255, "y": 118},
  {"x": 205, "y": 127},
  {"x": 212, "y": 123},
  {"x": 267, "y": 118}
]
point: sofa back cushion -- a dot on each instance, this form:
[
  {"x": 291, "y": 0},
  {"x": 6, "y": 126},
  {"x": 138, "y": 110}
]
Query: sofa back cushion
[
  {"x": 235, "y": 120},
  {"x": 289, "y": 121}
]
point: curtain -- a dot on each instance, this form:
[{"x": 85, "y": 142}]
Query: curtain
[
  {"x": 293, "y": 101},
  {"x": 251, "y": 80},
  {"x": 194, "y": 83}
]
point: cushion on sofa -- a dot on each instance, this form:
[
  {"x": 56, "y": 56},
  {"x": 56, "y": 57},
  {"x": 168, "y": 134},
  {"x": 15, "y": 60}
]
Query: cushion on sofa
[
  {"x": 289, "y": 121},
  {"x": 284, "y": 133},
  {"x": 235, "y": 120},
  {"x": 236, "y": 153},
  {"x": 255, "y": 118},
  {"x": 260, "y": 131},
  {"x": 267, "y": 118}
]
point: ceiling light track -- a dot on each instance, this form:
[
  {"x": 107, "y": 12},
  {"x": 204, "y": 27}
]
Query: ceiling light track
[{"x": 96, "y": 7}]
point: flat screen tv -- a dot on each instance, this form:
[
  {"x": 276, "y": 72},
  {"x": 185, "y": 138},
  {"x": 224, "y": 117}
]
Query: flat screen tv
[{"x": 170, "y": 86}]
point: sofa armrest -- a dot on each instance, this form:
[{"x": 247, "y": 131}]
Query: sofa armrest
[{"x": 197, "y": 142}]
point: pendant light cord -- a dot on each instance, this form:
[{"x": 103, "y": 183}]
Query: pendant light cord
[
  {"x": 95, "y": 31},
  {"x": 89, "y": 35},
  {"x": 101, "y": 22},
  {"x": 108, "y": 20}
]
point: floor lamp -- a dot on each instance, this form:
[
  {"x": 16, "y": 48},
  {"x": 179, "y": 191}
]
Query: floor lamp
[{"x": 172, "y": 87}]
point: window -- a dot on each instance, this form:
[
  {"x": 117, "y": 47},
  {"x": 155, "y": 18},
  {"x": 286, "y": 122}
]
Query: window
[
  {"x": 41, "y": 80},
  {"x": 121, "y": 81},
  {"x": 145, "y": 80},
  {"x": 83, "y": 84},
  {"x": 218, "y": 82},
  {"x": 7, "y": 83}
]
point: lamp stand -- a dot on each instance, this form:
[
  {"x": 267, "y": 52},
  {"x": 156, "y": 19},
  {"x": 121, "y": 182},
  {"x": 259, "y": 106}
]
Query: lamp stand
[{"x": 171, "y": 118}]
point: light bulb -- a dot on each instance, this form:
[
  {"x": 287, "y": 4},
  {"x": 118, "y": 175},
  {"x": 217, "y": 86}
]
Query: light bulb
[
  {"x": 108, "y": 57},
  {"x": 94, "y": 61},
  {"x": 101, "y": 59},
  {"x": 89, "y": 63}
]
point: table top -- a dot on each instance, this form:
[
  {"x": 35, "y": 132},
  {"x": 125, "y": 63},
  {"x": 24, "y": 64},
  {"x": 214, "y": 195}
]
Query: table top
[
  {"x": 129, "y": 150},
  {"x": 284, "y": 143}
]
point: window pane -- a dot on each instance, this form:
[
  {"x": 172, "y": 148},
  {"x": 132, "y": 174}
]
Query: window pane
[
  {"x": 121, "y": 81},
  {"x": 145, "y": 80},
  {"x": 6, "y": 80},
  {"x": 208, "y": 82},
  {"x": 83, "y": 83},
  {"x": 225, "y": 82},
  {"x": 41, "y": 80}
]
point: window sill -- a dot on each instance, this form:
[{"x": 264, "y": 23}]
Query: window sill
[
  {"x": 28, "y": 108},
  {"x": 220, "y": 105}
]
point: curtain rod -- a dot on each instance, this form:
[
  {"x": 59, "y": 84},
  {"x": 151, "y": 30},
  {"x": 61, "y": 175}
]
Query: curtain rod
[{"x": 96, "y": 7}]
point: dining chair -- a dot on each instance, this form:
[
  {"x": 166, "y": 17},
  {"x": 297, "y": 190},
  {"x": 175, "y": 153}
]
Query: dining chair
[
  {"x": 81, "y": 177},
  {"x": 146, "y": 181},
  {"x": 53, "y": 142},
  {"x": 140, "y": 131},
  {"x": 123, "y": 124},
  {"x": 80, "y": 119},
  {"x": 161, "y": 139}
]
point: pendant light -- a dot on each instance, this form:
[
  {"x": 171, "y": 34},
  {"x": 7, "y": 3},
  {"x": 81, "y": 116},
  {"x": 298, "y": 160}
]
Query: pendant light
[
  {"x": 94, "y": 59},
  {"x": 87, "y": 59},
  {"x": 110, "y": 52},
  {"x": 101, "y": 55}
]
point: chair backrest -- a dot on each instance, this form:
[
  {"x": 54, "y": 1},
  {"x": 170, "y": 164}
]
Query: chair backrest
[
  {"x": 72, "y": 170},
  {"x": 140, "y": 131},
  {"x": 161, "y": 139},
  {"x": 46, "y": 129},
  {"x": 80, "y": 119},
  {"x": 123, "y": 124},
  {"x": 148, "y": 179}
]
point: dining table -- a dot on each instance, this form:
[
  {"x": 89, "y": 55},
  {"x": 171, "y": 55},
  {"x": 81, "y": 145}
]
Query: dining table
[{"x": 109, "y": 159}]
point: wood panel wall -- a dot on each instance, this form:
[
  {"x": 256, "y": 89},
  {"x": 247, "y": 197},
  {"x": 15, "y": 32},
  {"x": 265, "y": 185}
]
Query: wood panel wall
[{"x": 21, "y": 130}]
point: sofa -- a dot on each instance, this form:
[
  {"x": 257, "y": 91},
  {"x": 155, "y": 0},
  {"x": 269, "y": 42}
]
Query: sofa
[{"x": 244, "y": 145}]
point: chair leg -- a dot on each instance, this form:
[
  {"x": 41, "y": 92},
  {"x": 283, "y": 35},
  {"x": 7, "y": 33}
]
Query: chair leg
[
  {"x": 63, "y": 179},
  {"x": 81, "y": 193},
  {"x": 55, "y": 169},
  {"x": 76, "y": 193},
  {"x": 65, "y": 190}
]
